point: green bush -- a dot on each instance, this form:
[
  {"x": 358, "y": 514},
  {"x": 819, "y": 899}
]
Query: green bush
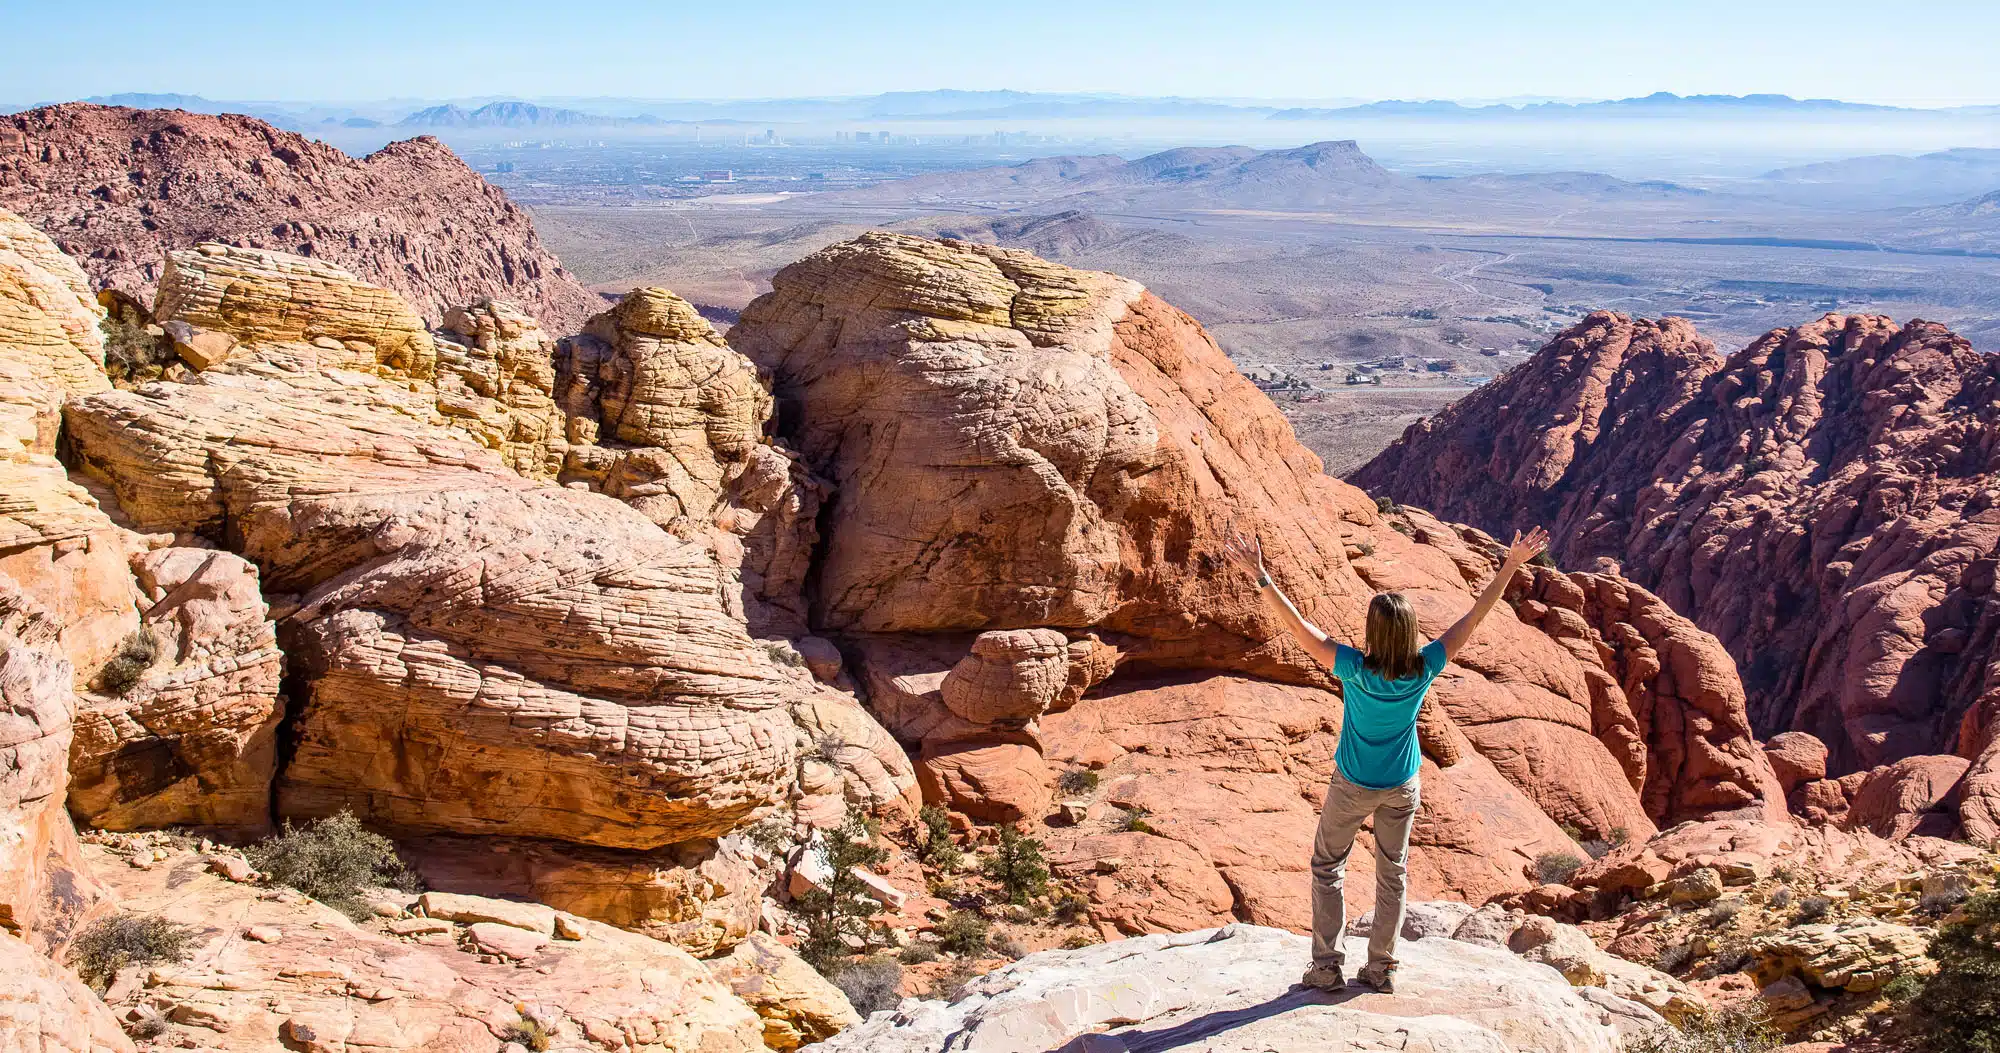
[
  {"x": 917, "y": 952},
  {"x": 1016, "y": 866},
  {"x": 1781, "y": 897},
  {"x": 128, "y": 939},
  {"x": 1071, "y": 907},
  {"x": 1903, "y": 988},
  {"x": 1385, "y": 506},
  {"x": 1676, "y": 957},
  {"x": 1812, "y": 909},
  {"x": 872, "y": 985},
  {"x": 1720, "y": 1031},
  {"x": 839, "y": 912},
  {"x": 1009, "y": 947},
  {"x": 528, "y": 1032},
  {"x": 1959, "y": 1007},
  {"x": 1724, "y": 913},
  {"x": 1556, "y": 868},
  {"x": 937, "y": 848},
  {"x": 136, "y": 654},
  {"x": 1134, "y": 821},
  {"x": 1076, "y": 782},
  {"x": 963, "y": 933},
  {"x": 332, "y": 860}
]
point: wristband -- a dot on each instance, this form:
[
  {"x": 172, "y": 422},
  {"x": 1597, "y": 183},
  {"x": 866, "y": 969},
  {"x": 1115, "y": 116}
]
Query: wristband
[{"x": 1263, "y": 580}]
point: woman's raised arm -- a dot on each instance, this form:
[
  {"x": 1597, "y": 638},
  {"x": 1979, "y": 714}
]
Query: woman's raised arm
[
  {"x": 1521, "y": 551},
  {"x": 1247, "y": 552}
]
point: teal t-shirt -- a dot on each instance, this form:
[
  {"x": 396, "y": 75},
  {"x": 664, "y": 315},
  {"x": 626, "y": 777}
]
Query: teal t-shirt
[{"x": 1378, "y": 726}]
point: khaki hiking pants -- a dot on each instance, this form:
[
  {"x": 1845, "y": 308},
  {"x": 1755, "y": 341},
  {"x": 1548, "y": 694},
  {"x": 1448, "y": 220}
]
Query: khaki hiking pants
[{"x": 1347, "y": 805}]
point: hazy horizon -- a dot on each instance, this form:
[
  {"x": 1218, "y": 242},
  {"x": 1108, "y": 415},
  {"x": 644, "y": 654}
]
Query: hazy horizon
[{"x": 1285, "y": 50}]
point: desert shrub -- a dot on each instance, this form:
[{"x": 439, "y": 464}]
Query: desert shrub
[
  {"x": 937, "y": 848},
  {"x": 145, "y": 1021},
  {"x": 1903, "y": 988},
  {"x": 827, "y": 748},
  {"x": 1402, "y": 528},
  {"x": 132, "y": 353},
  {"x": 1076, "y": 782},
  {"x": 1676, "y": 957},
  {"x": 1571, "y": 831},
  {"x": 1781, "y": 897},
  {"x": 917, "y": 952},
  {"x": 128, "y": 939},
  {"x": 1812, "y": 909},
  {"x": 1958, "y": 1009},
  {"x": 1016, "y": 866},
  {"x": 1595, "y": 848},
  {"x": 1008, "y": 947},
  {"x": 872, "y": 985},
  {"x": 1134, "y": 821},
  {"x": 1366, "y": 548},
  {"x": 1719, "y": 1031},
  {"x": 136, "y": 654},
  {"x": 1942, "y": 901},
  {"x": 528, "y": 1032},
  {"x": 1070, "y": 907},
  {"x": 1619, "y": 836},
  {"x": 1724, "y": 913},
  {"x": 839, "y": 911},
  {"x": 1543, "y": 559},
  {"x": 332, "y": 860},
  {"x": 773, "y": 835},
  {"x": 783, "y": 653},
  {"x": 1556, "y": 868},
  {"x": 1733, "y": 959},
  {"x": 1386, "y": 506},
  {"x": 1080, "y": 941},
  {"x": 950, "y": 987},
  {"x": 963, "y": 933}
]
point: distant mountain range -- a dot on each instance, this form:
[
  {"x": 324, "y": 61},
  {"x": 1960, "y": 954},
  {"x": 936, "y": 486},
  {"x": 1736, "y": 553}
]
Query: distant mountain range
[
  {"x": 957, "y": 105},
  {"x": 1658, "y": 104}
]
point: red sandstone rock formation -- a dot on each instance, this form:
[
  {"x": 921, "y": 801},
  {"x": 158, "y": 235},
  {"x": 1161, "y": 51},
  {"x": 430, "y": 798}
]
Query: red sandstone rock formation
[
  {"x": 1022, "y": 447},
  {"x": 119, "y": 188},
  {"x": 1821, "y": 501}
]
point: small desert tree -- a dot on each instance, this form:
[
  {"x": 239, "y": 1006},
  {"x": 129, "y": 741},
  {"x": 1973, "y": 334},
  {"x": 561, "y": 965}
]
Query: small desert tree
[
  {"x": 838, "y": 911},
  {"x": 1016, "y": 866},
  {"x": 937, "y": 848},
  {"x": 1959, "y": 1007}
]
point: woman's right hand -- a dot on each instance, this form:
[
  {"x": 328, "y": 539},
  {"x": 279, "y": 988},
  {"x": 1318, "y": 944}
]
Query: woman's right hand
[{"x": 1245, "y": 551}]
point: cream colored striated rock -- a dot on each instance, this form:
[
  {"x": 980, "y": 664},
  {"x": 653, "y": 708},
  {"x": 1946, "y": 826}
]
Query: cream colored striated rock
[
  {"x": 45, "y": 1009},
  {"x": 55, "y": 543},
  {"x": 700, "y": 896},
  {"x": 1232, "y": 990},
  {"x": 496, "y": 378},
  {"x": 46, "y": 891},
  {"x": 1858, "y": 954},
  {"x": 451, "y": 906},
  {"x": 796, "y": 1003},
  {"x": 331, "y": 984},
  {"x": 664, "y": 416},
  {"x": 195, "y": 741},
  {"x": 1655, "y": 990},
  {"x": 280, "y": 305},
  {"x": 874, "y": 770},
  {"x": 1564, "y": 948},
  {"x": 479, "y": 653}
]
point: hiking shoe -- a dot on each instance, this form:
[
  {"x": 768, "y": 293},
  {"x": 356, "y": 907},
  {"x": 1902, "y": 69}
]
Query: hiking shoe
[
  {"x": 1381, "y": 977},
  {"x": 1324, "y": 977}
]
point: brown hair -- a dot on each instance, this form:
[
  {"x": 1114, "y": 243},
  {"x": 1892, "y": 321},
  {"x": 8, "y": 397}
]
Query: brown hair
[{"x": 1393, "y": 641}]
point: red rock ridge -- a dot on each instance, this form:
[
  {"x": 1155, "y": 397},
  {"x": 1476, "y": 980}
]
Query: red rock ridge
[
  {"x": 1822, "y": 501},
  {"x": 118, "y": 188}
]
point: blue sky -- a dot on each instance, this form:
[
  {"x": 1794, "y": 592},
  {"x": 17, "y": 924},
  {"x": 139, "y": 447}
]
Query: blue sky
[{"x": 1915, "y": 52}]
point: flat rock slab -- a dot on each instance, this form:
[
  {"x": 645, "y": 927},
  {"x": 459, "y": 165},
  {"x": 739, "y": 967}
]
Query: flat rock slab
[
  {"x": 1234, "y": 989},
  {"x": 506, "y": 940},
  {"x": 531, "y": 917}
]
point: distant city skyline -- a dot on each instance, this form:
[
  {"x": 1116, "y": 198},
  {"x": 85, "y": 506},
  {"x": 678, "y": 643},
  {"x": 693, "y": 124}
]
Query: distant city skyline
[{"x": 1918, "y": 54}]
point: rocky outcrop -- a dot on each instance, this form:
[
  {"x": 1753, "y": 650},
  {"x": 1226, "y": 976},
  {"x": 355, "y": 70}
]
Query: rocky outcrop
[
  {"x": 45, "y": 1008},
  {"x": 1234, "y": 989},
  {"x": 1035, "y": 467},
  {"x": 479, "y": 652},
  {"x": 1818, "y": 501},
  {"x": 119, "y": 189},
  {"x": 45, "y": 891},
  {"x": 796, "y": 1004},
  {"x": 272, "y": 969},
  {"x": 193, "y": 742}
]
